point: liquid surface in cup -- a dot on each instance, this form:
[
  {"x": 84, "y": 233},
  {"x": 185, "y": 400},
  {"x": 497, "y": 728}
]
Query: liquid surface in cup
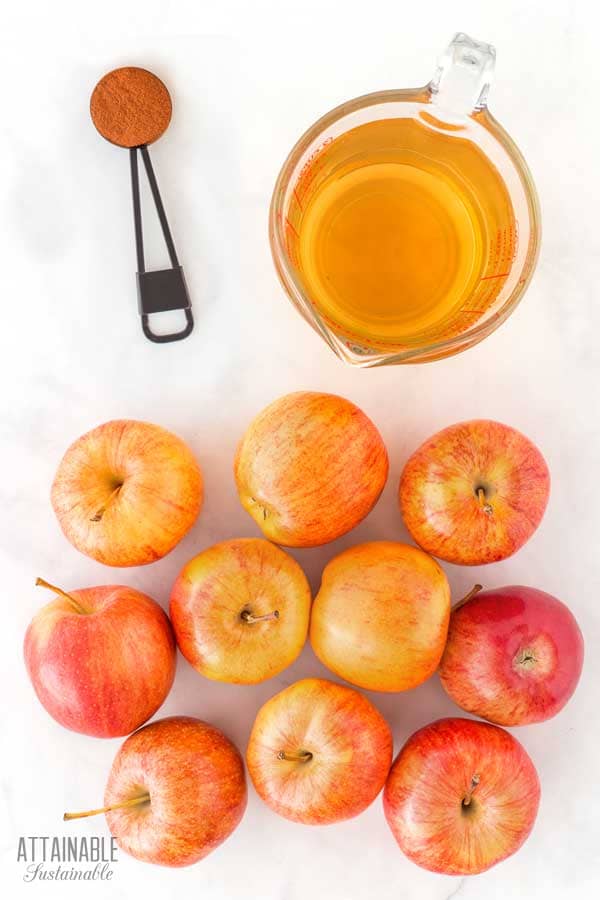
[{"x": 402, "y": 231}]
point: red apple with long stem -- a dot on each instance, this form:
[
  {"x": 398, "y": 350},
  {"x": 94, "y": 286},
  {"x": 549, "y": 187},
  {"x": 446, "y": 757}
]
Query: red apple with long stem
[
  {"x": 319, "y": 752},
  {"x": 240, "y": 610},
  {"x": 101, "y": 659},
  {"x": 461, "y": 796},
  {"x": 309, "y": 468},
  {"x": 176, "y": 791},
  {"x": 126, "y": 492},
  {"x": 514, "y": 655},
  {"x": 474, "y": 493}
]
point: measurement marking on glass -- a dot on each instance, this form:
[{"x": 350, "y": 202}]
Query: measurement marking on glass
[{"x": 292, "y": 227}]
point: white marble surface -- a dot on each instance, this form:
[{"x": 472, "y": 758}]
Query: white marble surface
[{"x": 246, "y": 79}]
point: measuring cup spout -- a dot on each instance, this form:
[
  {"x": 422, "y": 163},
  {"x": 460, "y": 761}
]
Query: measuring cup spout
[{"x": 462, "y": 80}]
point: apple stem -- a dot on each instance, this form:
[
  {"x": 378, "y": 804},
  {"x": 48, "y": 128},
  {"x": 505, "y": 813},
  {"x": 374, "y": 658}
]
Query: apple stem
[
  {"x": 97, "y": 517},
  {"x": 474, "y": 590},
  {"x": 250, "y": 619},
  {"x": 265, "y": 512},
  {"x": 469, "y": 795},
  {"x": 123, "y": 804},
  {"x": 295, "y": 756},
  {"x": 51, "y": 587},
  {"x": 486, "y": 507}
]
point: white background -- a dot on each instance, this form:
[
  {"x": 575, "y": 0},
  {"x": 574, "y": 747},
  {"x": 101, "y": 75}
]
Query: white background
[{"x": 246, "y": 80}]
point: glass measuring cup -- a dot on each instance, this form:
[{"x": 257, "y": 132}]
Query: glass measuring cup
[{"x": 404, "y": 224}]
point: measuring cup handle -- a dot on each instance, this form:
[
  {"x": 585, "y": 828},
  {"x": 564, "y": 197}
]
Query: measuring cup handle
[
  {"x": 462, "y": 80},
  {"x": 168, "y": 338}
]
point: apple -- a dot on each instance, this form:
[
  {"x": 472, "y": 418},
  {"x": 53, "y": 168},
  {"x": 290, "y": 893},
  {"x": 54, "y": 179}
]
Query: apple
[
  {"x": 514, "y": 655},
  {"x": 380, "y": 618},
  {"x": 319, "y": 752},
  {"x": 461, "y": 796},
  {"x": 240, "y": 611},
  {"x": 474, "y": 493},
  {"x": 176, "y": 791},
  {"x": 309, "y": 468},
  {"x": 127, "y": 492},
  {"x": 101, "y": 659}
]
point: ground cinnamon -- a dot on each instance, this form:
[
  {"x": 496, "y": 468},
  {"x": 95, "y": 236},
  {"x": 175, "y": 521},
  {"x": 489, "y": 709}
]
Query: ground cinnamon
[{"x": 130, "y": 107}]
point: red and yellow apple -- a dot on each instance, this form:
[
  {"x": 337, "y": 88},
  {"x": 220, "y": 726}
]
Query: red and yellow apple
[
  {"x": 461, "y": 796},
  {"x": 319, "y": 752},
  {"x": 474, "y": 493},
  {"x": 240, "y": 611},
  {"x": 309, "y": 468},
  {"x": 514, "y": 655},
  {"x": 380, "y": 618},
  {"x": 126, "y": 492},
  {"x": 176, "y": 791},
  {"x": 101, "y": 659}
]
